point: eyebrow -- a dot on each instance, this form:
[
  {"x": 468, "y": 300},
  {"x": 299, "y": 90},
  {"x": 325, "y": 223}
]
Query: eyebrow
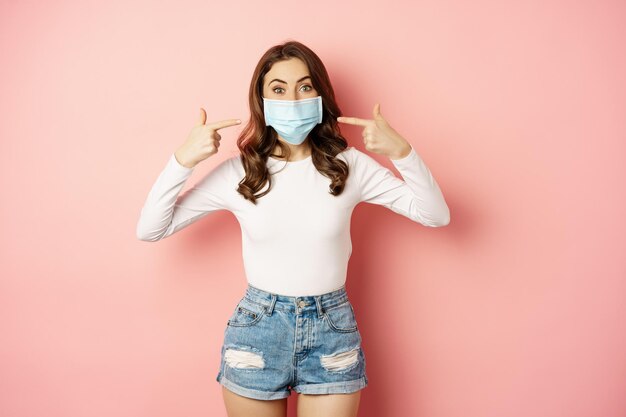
[{"x": 284, "y": 82}]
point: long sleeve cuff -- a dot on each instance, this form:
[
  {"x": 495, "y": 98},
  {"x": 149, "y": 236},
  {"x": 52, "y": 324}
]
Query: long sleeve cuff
[{"x": 177, "y": 165}]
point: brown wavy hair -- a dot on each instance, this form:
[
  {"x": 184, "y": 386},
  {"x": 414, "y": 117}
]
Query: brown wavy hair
[{"x": 256, "y": 141}]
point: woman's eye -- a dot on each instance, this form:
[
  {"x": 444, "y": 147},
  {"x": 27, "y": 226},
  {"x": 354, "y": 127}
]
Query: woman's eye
[{"x": 308, "y": 88}]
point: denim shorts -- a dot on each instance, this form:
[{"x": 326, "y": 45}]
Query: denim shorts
[{"x": 274, "y": 343}]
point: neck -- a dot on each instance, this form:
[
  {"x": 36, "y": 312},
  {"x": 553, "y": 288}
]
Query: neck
[{"x": 298, "y": 152}]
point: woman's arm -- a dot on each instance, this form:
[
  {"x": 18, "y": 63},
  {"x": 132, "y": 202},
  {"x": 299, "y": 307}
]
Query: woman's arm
[
  {"x": 418, "y": 197},
  {"x": 165, "y": 212}
]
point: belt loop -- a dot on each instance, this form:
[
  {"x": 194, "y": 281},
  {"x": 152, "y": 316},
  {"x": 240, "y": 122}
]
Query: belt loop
[
  {"x": 270, "y": 309},
  {"x": 320, "y": 310}
]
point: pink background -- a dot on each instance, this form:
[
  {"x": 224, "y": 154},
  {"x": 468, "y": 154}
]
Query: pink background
[{"x": 517, "y": 308}]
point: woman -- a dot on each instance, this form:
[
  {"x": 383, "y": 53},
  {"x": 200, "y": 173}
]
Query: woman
[{"x": 293, "y": 189}]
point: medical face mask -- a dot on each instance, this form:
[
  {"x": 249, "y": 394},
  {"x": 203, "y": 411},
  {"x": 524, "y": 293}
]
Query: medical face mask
[{"x": 293, "y": 120}]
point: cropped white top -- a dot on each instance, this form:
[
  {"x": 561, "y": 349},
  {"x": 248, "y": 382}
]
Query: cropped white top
[{"x": 296, "y": 239}]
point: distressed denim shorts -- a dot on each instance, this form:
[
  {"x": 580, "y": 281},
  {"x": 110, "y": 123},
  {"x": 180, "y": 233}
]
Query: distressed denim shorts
[{"x": 274, "y": 343}]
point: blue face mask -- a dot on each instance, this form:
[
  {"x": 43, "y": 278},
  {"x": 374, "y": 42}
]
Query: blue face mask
[{"x": 293, "y": 120}]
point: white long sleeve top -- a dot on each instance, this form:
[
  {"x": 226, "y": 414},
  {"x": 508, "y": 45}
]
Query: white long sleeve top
[{"x": 296, "y": 239}]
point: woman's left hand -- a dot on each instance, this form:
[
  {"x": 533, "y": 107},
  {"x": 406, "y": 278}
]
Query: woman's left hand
[{"x": 379, "y": 137}]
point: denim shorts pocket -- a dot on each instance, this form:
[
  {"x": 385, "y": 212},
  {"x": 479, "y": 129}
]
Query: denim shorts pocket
[
  {"x": 246, "y": 314},
  {"x": 341, "y": 318}
]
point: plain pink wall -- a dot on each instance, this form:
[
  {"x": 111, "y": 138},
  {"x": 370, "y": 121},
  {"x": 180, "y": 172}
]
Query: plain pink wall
[{"x": 517, "y": 308}]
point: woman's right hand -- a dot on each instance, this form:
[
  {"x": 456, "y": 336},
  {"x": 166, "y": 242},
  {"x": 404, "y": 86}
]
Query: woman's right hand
[{"x": 203, "y": 141}]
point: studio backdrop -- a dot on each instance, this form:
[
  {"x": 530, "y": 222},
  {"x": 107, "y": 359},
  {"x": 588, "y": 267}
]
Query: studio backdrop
[{"x": 515, "y": 308}]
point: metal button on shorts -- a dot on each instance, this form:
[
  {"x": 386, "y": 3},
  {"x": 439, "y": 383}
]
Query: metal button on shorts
[{"x": 276, "y": 343}]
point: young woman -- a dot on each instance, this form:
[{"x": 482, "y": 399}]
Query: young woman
[{"x": 293, "y": 189}]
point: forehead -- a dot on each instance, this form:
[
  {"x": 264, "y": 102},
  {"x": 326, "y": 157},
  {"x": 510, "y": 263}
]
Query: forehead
[{"x": 290, "y": 70}]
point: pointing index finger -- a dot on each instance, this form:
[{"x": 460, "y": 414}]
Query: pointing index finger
[
  {"x": 224, "y": 123},
  {"x": 353, "y": 121}
]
